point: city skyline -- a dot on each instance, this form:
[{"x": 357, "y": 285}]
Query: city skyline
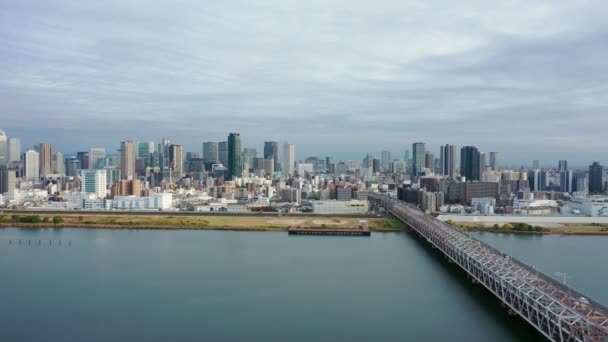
[{"x": 526, "y": 79}]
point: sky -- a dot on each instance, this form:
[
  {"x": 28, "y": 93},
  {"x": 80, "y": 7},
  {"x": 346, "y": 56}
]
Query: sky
[{"x": 336, "y": 77}]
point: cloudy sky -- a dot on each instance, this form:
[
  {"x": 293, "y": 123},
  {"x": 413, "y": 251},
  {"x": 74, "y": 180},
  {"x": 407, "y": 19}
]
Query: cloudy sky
[{"x": 341, "y": 78}]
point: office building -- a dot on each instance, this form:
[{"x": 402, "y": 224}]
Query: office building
[
  {"x": 271, "y": 151},
  {"x": 406, "y": 155},
  {"x": 72, "y": 167},
  {"x": 83, "y": 157},
  {"x": 565, "y": 181},
  {"x": 596, "y": 178},
  {"x": 94, "y": 182},
  {"x": 482, "y": 164},
  {"x": 449, "y": 161},
  {"x": 210, "y": 151},
  {"x": 289, "y": 159},
  {"x": 59, "y": 163},
  {"x": 144, "y": 149},
  {"x": 235, "y": 162},
  {"x": 4, "y": 149},
  {"x": 31, "y": 168},
  {"x": 248, "y": 158},
  {"x": 176, "y": 160},
  {"x": 562, "y": 165},
  {"x": 45, "y": 152},
  {"x": 222, "y": 152},
  {"x": 14, "y": 149},
  {"x": 495, "y": 161},
  {"x": 127, "y": 159},
  {"x": 470, "y": 163},
  {"x": 418, "y": 158},
  {"x": 97, "y": 158},
  {"x": 429, "y": 160},
  {"x": 8, "y": 180},
  {"x": 386, "y": 159},
  {"x": 535, "y": 165}
]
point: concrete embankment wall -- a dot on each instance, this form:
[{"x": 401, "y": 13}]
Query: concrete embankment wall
[{"x": 534, "y": 220}]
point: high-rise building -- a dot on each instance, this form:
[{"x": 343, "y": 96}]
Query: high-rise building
[
  {"x": 271, "y": 151},
  {"x": 429, "y": 160},
  {"x": 537, "y": 180},
  {"x": 4, "y": 154},
  {"x": 32, "y": 165},
  {"x": 289, "y": 159},
  {"x": 144, "y": 148},
  {"x": 248, "y": 158},
  {"x": 8, "y": 179},
  {"x": 210, "y": 151},
  {"x": 46, "y": 159},
  {"x": 222, "y": 152},
  {"x": 565, "y": 181},
  {"x": 127, "y": 159},
  {"x": 562, "y": 165},
  {"x": 406, "y": 155},
  {"x": 419, "y": 158},
  {"x": 72, "y": 167},
  {"x": 596, "y": 178},
  {"x": 235, "y": 165},
  {"x": 386, "y": 159},
  {"x": 449, "y": 161},
  {"x": 368, "y": 161},
  {"x": 84, "y": 159},
  {"x": 470, "y": 163},
  {"x": 14, "y": 149},
  {"x": 176, "y": 159},
  {"x": 59, "y": 163},
  {"x": 535, "y": 165},
  {"x": 94, "y": 182},
  {"x": 164, "y": 148},
  {"x": 482, "y": 165},
  {"x": 495, "y": 161},
  {"x": 97, "y": 155}
]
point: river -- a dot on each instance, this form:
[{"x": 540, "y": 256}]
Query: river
[{"x": 180, "y": 285}]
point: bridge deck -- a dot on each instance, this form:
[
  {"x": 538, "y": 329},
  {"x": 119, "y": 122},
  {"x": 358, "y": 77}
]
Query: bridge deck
[{"x": 557, "y": 311}]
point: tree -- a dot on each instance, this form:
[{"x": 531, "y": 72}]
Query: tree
[
  {"x": 57, "y": 220},
  {"x": 45, "y": 219}
]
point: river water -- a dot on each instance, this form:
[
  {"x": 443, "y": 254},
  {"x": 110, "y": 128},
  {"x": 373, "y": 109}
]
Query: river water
[{"x": 165, "y": 285}]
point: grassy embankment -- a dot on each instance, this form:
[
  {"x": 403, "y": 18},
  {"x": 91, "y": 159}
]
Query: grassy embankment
[
  {"x": 523, "y": 228},
  {"x": 135, "y": 221}
]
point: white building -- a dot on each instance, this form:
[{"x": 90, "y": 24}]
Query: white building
[
  {"x": 14, "y": 149},
  {"x": 94, "y": 182},
  {"x": 339, "y": 207},
  {"x": 31, "y": 167},
  {"x": 303, "y": 168},
  {"x": 289, "y": 159},
  {"x": 532, "y": 203},
  {"x": 485, "y": 205},
  {"x": 4, "y": 153},
  {"x": 595, "y": 206},
  {"x": 160, "y": 201}
]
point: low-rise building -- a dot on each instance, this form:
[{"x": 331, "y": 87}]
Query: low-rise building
[
  {"x": 339, "y": 207},
  {"x": 159, "y": 201}
]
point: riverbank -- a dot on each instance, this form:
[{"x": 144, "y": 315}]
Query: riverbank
[
  {"x": 522, "y": 228},
  {"x": 200, "y": 222}
]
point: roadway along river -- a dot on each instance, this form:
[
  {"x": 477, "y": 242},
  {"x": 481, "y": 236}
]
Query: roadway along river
[{"x": 152, "y": 285}]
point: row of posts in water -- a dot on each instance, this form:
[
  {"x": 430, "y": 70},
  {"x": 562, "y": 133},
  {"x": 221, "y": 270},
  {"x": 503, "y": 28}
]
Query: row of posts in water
[{"x": 40, "y": 243}]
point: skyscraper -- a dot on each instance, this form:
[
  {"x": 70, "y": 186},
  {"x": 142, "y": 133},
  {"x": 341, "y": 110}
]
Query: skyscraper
[
  {"x": 596, "y": 178},
  {"x": 289, "y": 159},
  {"x": 419, "y": 158},
  {"x": 96, "y": 155},
  {"x": 14, "y": 149},
  {"x": 535, "y": 165},
  {"x": 406, "y": 155},
  {"x": 84, "y": 159},
  {"x": 176, "y": 159},
  {"x": 32, "y": 165},
  {"x": 222, "y": 152},
  {"x": 562, "y": 165},
  {"x": 271, "y": 151},
  {"x": 482, "y": 165},
  {"x": 470, "y": 163},
  {"x": 495, "y": 161},
  {"x": 72, "y": 166},
  {"x": 429, "y": 160},
  {"x": 565, "y": 181},
  {"x": 46, "y": 159},
  {"x": 235, "y": 166},
  {"x": 386, "y": 159},
  {"x": 59, "y": 163},
  {"x": 210, "y": 151},
  {"x": 144, "y": 148},
  {"x": 127, "y": 160},
  {"x": 8, "y": 179},
  {"x": 248, "y": 158},
  {"x": 449, "y": 161},
  {"x": 4, "y": 155}
]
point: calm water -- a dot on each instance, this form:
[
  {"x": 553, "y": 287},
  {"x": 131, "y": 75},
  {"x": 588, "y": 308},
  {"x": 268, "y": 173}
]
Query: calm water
[{"x": 121, "y": 285}]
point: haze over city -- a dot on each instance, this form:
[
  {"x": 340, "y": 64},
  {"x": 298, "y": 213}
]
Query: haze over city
[{"x": 524, "y": 78}]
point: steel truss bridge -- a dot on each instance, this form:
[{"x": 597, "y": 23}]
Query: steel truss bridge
[{"x": 557, "y": 311}]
